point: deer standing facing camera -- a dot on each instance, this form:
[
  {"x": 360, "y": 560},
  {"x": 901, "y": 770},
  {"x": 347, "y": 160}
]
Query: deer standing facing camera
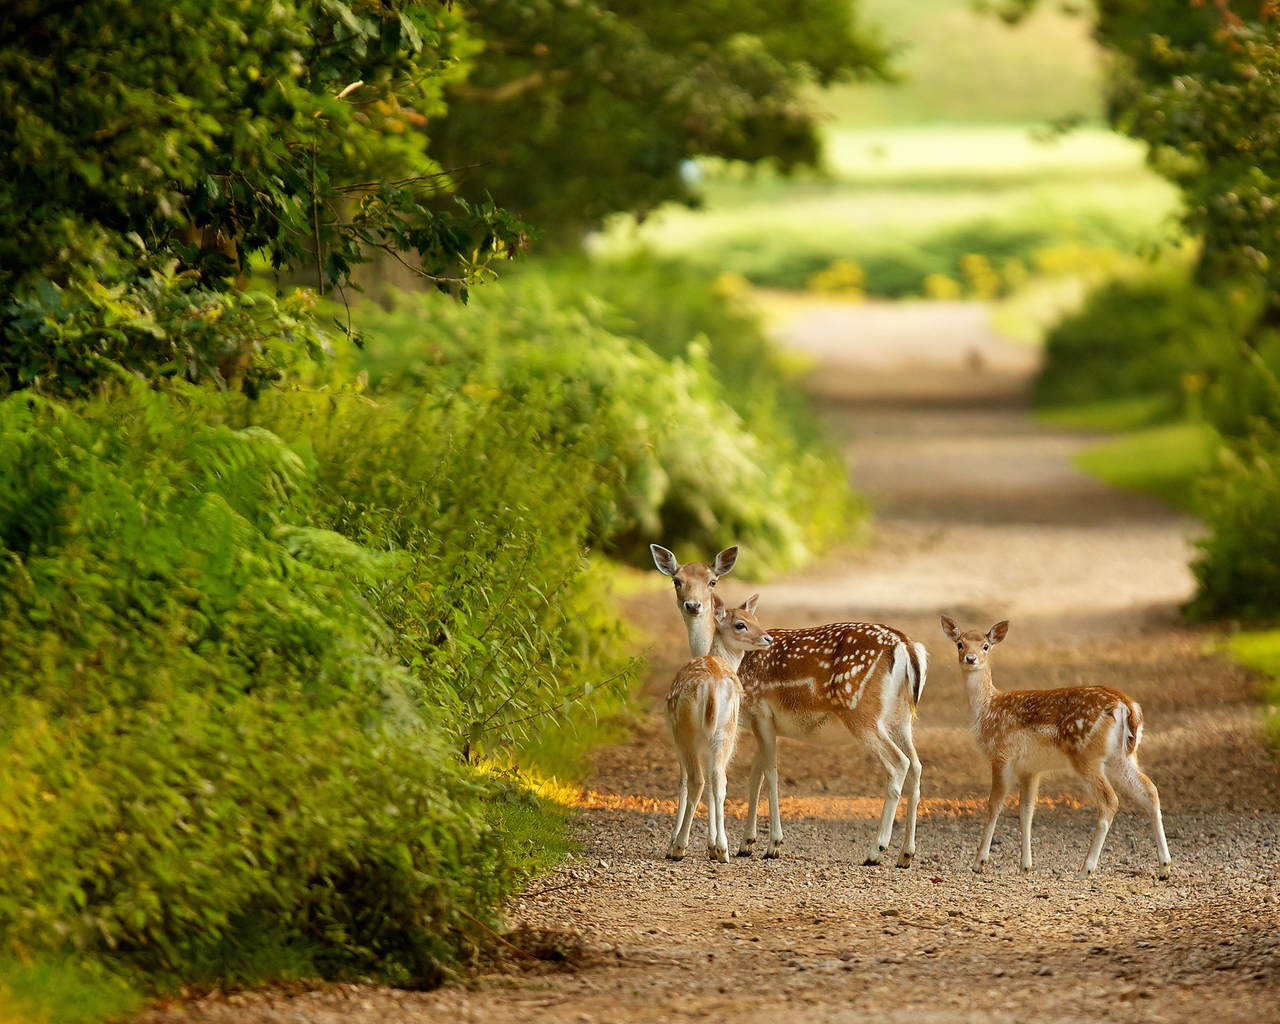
[
  {"x": 702, "y": 711},
  {"x": 1091, "y": 730}
]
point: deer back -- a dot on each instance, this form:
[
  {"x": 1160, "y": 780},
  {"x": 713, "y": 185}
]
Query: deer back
[
  {"x": 824, "y": 669},
  {"x": 1079, "y": 720}
]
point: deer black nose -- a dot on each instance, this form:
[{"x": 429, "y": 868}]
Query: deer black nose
[
  {"x": 972, "y": 659},
  {"x": 693, "y": 607},
  {"x": 767, "y": 639}
]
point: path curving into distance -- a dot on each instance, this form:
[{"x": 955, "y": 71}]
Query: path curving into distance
[{"x": 979, "y": 513}]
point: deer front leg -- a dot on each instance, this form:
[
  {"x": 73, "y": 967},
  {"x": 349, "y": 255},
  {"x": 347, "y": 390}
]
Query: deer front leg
[
  {"x": 1028, "y": 790},
  {"x": 1001, "y": 784},
  {"x": 753, "y": 797},
  {"x": 769, "y": 749}
]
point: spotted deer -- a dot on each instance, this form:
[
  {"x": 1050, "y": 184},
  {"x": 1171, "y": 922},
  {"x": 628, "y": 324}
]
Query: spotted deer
[
  {"x": 702, "y": 712},
  {"x": 1091, "y": 730},
  {"x": 840, "y": 683}
]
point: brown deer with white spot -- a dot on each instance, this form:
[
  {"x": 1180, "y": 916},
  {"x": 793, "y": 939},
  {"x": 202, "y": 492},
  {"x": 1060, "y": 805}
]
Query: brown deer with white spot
[
  {"x": 840, "y": 683},
  {"x": 1091, "y": 730},
  {"x": 702, "y": 712}
]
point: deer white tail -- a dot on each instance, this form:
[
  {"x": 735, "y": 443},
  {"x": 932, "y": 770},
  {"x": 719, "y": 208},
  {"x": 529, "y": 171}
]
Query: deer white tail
[
  {"x": 915, "y": 663},
  {"x": 1130, "y": 727}
]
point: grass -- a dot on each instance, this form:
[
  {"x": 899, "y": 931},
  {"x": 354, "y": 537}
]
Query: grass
[
  {"x": 63, "y": 992},
  {"x": 1260, "y": 651},
  {"x": 910, "y": 201},
  {"x": 1118, "y": 415},
  {"x": 1163, "y": 461}
]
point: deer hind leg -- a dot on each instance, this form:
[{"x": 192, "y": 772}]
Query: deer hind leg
[
  {"x": 1108, "y": 804},
  {"x": 907, "y": 743},
  {"x": 1001, "y": 784},
  {"x": 753, "y": 796},
  {"x": 896, "y": 765},
  {"x": 1028, "y": 791},
  {"x": 682, "y": 800},
  {"x": 1133, "y": 781},
  {"x": 681, "y": 841}
]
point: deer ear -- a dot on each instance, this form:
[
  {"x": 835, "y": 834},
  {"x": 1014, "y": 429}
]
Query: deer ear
[
  {"x": 997, "y": 632},
  {"x": 721, "y": 612},
  {"x": 664, "y": 560},
  {"x": 725, "y": 561},
  {"x": 749, "y": 606},
  {"x": 951, "y": 627}
]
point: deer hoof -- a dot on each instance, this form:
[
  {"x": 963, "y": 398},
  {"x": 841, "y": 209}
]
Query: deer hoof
[
  {"x": 1163, "y": 873},
  {"x": 721, "y": 856},
  {"x": 979, "y": 866},
  {"x": 674, "y": 854},
  {"x": 774, "y": 851},
  {"x": 744, "y": 851},
  {"x": 1026, "y": 869},
  {"x": 904, "y": 860},
  {"x": 871, "y": 862}
]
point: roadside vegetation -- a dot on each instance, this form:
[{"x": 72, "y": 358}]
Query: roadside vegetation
[{"x": 305, "y": 601}]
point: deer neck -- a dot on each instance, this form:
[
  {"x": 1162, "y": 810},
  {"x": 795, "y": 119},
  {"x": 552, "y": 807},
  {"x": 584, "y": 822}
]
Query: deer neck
[
  {"x": 721, "y": 651},
  {"x": 702, "y": 634},
  {"x": 981, "y": 689}
]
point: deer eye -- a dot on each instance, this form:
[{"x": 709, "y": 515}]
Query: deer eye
[
  {"x": 959, "y": 647},
  {"x": 986, "y": 647},
  {"x": 712, "y": 584},
  {"x": 739, "y": 625}
]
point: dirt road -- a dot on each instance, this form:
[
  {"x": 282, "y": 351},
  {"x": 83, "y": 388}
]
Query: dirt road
[{"x": 979, "y": 514}]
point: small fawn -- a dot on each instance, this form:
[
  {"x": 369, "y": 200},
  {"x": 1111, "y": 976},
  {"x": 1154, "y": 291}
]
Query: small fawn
[
  {"x": 844, "y": 682},
  {"x": 1091, "y": 730},
  {"x": 702, "y": 711}
]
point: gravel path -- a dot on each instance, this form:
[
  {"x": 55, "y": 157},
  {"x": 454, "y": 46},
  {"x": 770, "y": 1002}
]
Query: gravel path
[{"x": 980, "y": 514}]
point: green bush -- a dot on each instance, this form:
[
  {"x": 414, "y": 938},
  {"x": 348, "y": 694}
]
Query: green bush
[
  {"x": 1238, "y": 568},
  {"x": 200, "y": 727},
  {"x": 689, "y": 469},
  {"x": 220, "y": 720},
  {"x": 1137, "y": 337}
]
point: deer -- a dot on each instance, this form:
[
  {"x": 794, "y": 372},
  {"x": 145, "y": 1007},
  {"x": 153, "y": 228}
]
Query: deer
[
  {"x": 702, "y": 713},
  {"x": 1093, "y": 731},
  {"x": 839, "y": 683}
]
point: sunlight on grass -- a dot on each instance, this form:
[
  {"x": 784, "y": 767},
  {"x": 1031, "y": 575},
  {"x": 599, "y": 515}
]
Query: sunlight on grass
[
  {"x": 983, "y": 153},
  {"x": 1120, "y": 414},
  {"x": 1163, "y": 461},
  {"x": 1260, "y": 651},
  {"x": 62, "y": 992},
  {"x": 905, "y": 203}
]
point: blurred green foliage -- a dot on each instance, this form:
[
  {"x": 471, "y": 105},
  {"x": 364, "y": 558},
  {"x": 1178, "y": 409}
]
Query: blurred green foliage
[
  {"x": 692, "y": 469},
  {"x": 574, "y": 110}
]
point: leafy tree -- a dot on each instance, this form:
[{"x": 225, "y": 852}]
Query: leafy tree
[
  {"x": 1200, "y": 84},
  {"x": 183, "y": 138},
  {"x": 579, "y": 108}
]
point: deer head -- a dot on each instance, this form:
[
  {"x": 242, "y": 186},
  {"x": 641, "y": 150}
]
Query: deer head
[
  {"x": 694, "y": 584},
  {"x": 738, "y": 627},
  {"x": 973, "y": 647}
]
